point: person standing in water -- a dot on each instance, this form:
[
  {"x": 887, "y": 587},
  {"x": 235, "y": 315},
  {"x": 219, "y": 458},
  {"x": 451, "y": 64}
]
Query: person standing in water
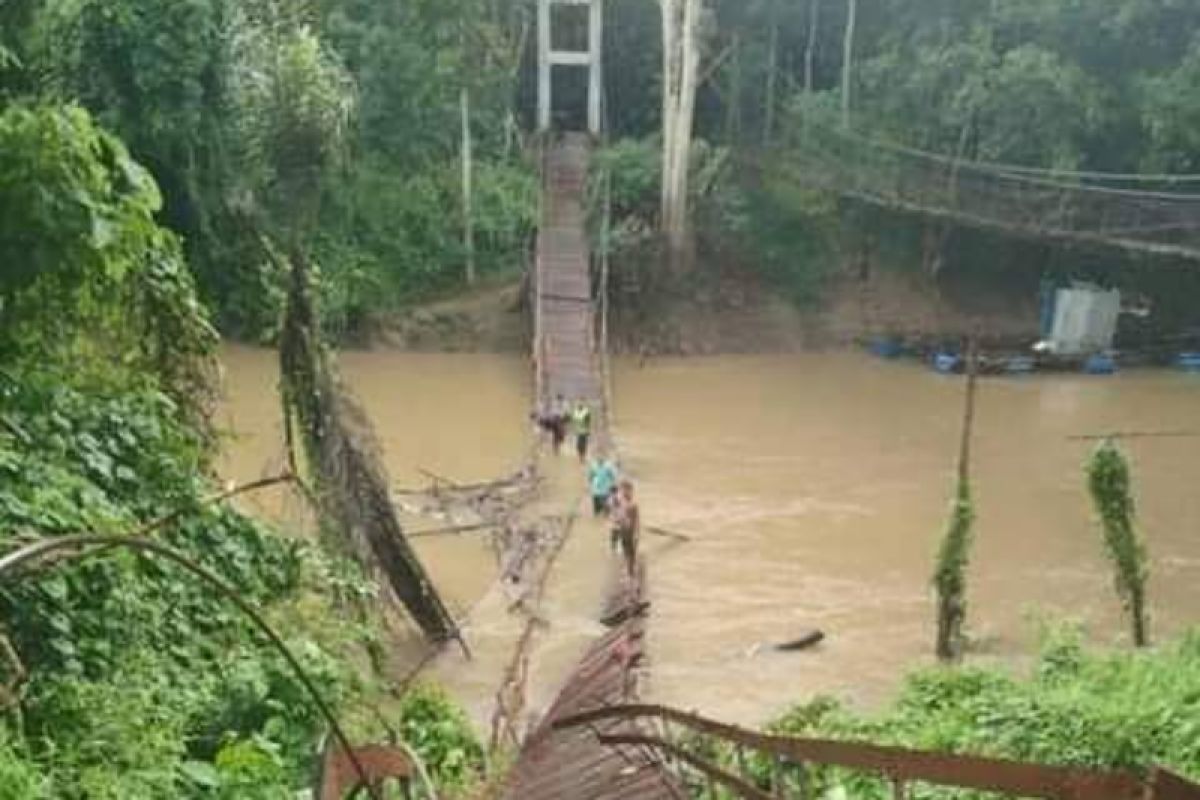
[
  {"x": 581, "y": 418},
  {"x": 559, "y": 414},
  {"x": 602, "y": 480},
  {"x": 626, "y": 525}
]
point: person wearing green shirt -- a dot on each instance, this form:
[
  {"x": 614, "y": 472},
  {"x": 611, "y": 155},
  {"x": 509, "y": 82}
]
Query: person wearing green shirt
[
  {"x": 602, "y": 482},
  {"x": 581, "y": 419}
]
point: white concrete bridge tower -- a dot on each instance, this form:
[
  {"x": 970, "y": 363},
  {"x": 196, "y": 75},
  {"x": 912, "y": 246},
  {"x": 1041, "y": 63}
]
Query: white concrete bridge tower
[{"x": 550, "y": 57}]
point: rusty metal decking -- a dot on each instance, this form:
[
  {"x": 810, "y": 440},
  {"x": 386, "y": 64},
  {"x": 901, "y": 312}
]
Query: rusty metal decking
[{"x": 574, "y": 764}]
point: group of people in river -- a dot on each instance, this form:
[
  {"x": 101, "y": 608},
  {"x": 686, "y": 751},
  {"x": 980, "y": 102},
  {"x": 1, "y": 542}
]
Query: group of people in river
[
  {"x": 562, "y": 417},
  {"x": 611, "y": 493}
]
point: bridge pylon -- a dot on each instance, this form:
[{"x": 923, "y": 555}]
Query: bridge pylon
[{"x": 549, "y": 57}]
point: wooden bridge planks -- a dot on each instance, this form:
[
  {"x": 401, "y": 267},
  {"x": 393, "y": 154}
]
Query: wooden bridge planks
[
  {"x": 565, "y": 357},
  {"x": 573, "y": 764}
]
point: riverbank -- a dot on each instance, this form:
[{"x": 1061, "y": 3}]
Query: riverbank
[{"x": 723, "y": 310}]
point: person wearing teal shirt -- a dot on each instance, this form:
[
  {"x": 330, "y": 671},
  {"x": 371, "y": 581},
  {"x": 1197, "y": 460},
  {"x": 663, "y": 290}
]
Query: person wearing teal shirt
[{"x": 602, "y": 481}]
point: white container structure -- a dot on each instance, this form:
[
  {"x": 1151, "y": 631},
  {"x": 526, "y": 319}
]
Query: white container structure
[{"x": 1085, "y": 320}]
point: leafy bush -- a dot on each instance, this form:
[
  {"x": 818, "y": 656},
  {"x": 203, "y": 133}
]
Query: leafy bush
[
  {"x": 1103, "y": 710},
  {"x": 440, "y": 734}
]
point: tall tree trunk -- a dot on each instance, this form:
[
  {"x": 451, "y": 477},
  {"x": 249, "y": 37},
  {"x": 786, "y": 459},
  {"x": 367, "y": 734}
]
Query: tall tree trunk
[
  {"x": 681, "y": 65},
  {"x": 733, "y": 105},
  {"x": 468, "y": 168},
  {"x": 670, "y": 30},
  {"x": 848, "y": 60},
  {"x": 772, "y": 76},
  {"x": 810, "y": 50}
]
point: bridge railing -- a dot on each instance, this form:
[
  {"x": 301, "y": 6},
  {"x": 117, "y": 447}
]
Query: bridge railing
[
  {"x": 1165, "y": 223},
  {"x": 668, "y": 731}
]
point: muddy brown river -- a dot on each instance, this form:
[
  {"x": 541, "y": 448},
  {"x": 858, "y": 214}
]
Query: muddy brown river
[{"x": 815, "y": 489}]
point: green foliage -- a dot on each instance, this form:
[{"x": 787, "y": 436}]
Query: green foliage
[
  {"x": 440, "y": 734},
  {"x": 90, "y": 278},
  {"x": 1171, "y": 103},
  {"x": 294, "y": 103},
  {"x": 139, "y": 670},
  {"x": 950, "y": 574},
  {"x": 792, "y": 234},
  {"x": 630, "y": 171},
  {"x": 1111, "y": 490},
  {"x": 1119, "y": 711},
  {"x": 20, "y": 779}
]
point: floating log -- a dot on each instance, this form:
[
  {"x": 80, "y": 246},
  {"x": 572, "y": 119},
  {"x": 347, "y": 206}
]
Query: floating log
[
  {"x": 625, "y": 613},
  {"x": 807, "y": 640}
]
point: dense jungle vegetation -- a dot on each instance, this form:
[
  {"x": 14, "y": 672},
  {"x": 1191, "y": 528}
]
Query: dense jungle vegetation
[
  {"x": 1104, "y": 86},
  {"x": 1107, "y": 85},
  {"x": 156, "y": 156}
]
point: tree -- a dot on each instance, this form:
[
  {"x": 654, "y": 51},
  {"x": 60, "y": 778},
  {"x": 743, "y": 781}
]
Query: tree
[
  {"x": 681, "y": 20},
  {"x": 1110, "y": 487},
  {"x": 87, "y": 269},
  {"x": 848, "y": 59}
]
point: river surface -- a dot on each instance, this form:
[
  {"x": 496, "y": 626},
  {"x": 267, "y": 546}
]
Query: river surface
[{"x": 815, "y": 489}]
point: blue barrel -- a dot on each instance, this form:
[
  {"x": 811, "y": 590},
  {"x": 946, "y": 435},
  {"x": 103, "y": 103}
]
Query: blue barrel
[
  {"x": 1189, "y": 361},
  {"x": 1020, "y": 365},
  {"x": 1100, "y": 364},
  {"x": 886, "y": 347},
  {"x": 946, "y": 363}
]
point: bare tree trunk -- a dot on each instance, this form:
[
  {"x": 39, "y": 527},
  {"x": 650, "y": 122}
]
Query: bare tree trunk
[
  {"x": 810, "y": 50},
  {"x": 733, "y": 110},
  {"x": 681, "y": 63},
  {"x": 848, "y": 60},
  {"x": 467, "y": 185},
  {"x": 772, "y": 77},
  {"x": 670, "y": 31}
]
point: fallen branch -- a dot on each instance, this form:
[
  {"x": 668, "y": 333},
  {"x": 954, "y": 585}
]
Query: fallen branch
[
  {"x": 1100, "y": 437},
  {"x": 158, "y": 524},
  {"x": 669, "y": 534},
  {"x": 452, "y": 530},
  {"x": 436, "y": 479},
  {"x": 11, "y": 690}
]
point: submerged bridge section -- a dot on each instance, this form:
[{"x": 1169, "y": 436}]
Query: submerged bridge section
[{"x": 574, "y": 763}]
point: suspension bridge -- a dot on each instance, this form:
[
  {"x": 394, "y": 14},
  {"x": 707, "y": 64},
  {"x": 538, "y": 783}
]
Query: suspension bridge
[
  {"x": 1156, "y": 217},
  {"x": 596, "y": 740}
]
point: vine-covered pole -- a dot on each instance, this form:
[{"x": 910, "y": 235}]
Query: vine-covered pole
[
  {"x": 1110, "y": 486},
  {"x": 954, "y": 555}
]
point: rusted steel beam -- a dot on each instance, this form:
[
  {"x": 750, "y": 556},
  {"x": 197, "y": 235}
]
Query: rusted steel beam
[
  {"x": 339, "y": 780},
  {"x": 1166, "y": 785},
  {"x": 732, "y": 782},
  {"x": 898, "y": 763}
]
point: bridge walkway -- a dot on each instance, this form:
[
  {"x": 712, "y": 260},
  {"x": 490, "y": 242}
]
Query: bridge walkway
[{"x": 573, "y": 763}]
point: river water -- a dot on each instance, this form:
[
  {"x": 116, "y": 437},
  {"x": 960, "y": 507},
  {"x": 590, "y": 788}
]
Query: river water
[{"x": 815, "y": 489}]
